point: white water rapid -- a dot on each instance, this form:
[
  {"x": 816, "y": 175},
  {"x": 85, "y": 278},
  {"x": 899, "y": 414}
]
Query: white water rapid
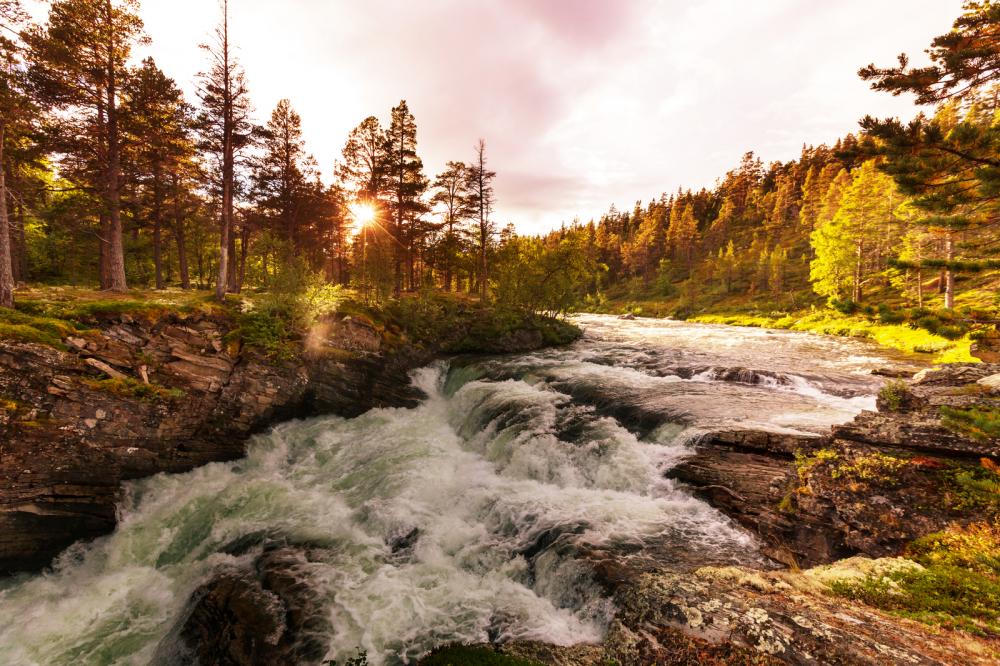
[{"x": 467, "y": 519}]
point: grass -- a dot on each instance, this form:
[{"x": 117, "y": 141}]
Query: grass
[
  {"x": 463, "y": 655},
  {"x": 829, "y": 322},
  {"x": 893, "y": 395},
  {"x": 978, "y": 423},
  {"x": 22, "y": 327},
  {"x": 957, "y": 588},
  {"x": 132, "y": 388},
  {"x": 940, "y": 594}
]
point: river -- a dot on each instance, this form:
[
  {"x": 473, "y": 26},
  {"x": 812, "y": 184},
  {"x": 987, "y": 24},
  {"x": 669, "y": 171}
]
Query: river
[{"x": 475, "y": 516}]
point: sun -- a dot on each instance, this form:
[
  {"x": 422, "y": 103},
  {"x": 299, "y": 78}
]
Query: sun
[{"x": 363, "y": 214}]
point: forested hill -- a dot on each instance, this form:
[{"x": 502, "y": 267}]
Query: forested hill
[{"x": 900, "y": 215}]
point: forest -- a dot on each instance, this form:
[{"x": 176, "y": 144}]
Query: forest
[{"x": 111, "y": 177}]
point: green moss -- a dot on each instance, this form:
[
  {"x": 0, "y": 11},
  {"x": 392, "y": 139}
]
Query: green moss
[
  {"x": 22, "y": 327},
  {"x": 939, "y": 594},
  {"x": 872, "y": 468},
  {"x": 981, "y": 424},
  {"x": 131, "y": 388},
  {"x": 463, "y": 655}
]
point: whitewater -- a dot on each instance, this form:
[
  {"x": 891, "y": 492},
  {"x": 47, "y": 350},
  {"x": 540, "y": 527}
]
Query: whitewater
[{"x": 474, "y": 517}]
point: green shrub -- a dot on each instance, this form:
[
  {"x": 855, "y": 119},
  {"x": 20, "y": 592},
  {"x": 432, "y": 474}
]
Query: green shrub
[
  {"x": 894, "y": 395},
  {"x": 940, "y": 594},
  {"x": 981, "y": 424},
  {"x": 132, "y": 388}
]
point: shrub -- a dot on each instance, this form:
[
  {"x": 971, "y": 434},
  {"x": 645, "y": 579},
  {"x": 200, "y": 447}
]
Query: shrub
[
  {"x": 940, "y": 594},
  {"x": 978, "y": 423},
  {"x": 894, "y": 396}
]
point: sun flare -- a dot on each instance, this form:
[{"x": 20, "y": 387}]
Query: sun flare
[{"x": 362, "y": 213}]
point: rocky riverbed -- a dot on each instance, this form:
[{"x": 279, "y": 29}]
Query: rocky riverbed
[{"x": 646, "y": 496}]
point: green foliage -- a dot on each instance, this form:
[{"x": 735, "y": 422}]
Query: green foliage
[
  {"x": 940, "y": 594},
  {"x": 971, "y": 488},
  {"x": 975, "y": 547},
  {"x": 805, "y": 463},
  {"x": 873, "y": 468},
  {"x": 894, "y": 395},
  {"x": 981, "y": 424},
  {"x": 21, "y": 327},
  {"x": 466, "y": 655},
  {"x": 132, "y": 388}
]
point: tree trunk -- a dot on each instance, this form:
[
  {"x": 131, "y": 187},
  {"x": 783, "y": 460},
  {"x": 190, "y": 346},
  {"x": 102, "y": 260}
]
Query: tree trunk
[
  {"x": 244, "y": 244},
  {"x": 6, "y": 267},
  {"x": 182, "y": 261},
  {"x": 21, "y": 255},
  {"x": 157, "y": 215},
  {"x": 116, "y": 249},
  {"x": 226, "y": 225},
  {"x": 857, "y": 272},
  {"x": 920, "y": 288},
  {"x": 949, "y": 275}
]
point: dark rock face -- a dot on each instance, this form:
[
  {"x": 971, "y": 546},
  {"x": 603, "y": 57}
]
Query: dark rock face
[
  {"x": 266, "y": 614},
  {"x": 69, "y": 436}
]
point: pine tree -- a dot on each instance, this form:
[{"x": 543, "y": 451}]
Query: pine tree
[
  {"x": 481, "y": 201},
  {"x": 405, "y": 185},
  {"x": 156, "y": 124},
  {"x": 13, "y": 105},
  {"x": 224, "y": 123},
  {"x": 950, "y": 163},
  {"x": 850, "y": 248},
  {"x": 450, "y": 195},
  {"x": 79, "y": 62},
  {"x": 282, "y": 178}
]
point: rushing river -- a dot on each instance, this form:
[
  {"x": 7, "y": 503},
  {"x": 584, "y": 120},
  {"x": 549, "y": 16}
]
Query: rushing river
[{"x": 472, "y": 517}]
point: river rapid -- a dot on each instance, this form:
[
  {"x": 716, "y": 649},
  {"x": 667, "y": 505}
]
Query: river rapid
[{"x": 476, "y": 516}]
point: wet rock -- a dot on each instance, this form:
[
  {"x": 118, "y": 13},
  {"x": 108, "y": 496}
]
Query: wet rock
[
  {"x": 880, "y": 481},
  {"x": 269, "y": 613},
  {"x": 90, "y": 439}
]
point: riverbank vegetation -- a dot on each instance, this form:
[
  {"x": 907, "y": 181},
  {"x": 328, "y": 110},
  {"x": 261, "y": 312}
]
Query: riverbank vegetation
[{"x": 889, "y": 234}]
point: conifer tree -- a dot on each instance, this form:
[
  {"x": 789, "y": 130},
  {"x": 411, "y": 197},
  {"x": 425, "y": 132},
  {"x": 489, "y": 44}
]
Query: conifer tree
[
  {"x": 481, "y": 200},
  {"x": 450, "y": 195},
  {"x": 949, "y": 163},
  {"x": 405, "y": 185},
  {"x": 224, "y": 123},
  {"x": 283, "y": 175},
  {"x": 13, "y": 105},
  {"x": 850, "y": 248},
  {"x": 79, "y": 62},
  {"x": 156, "y": 123}
]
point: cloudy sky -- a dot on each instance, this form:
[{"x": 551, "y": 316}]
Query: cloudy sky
[{"x": 582, "y": 103}]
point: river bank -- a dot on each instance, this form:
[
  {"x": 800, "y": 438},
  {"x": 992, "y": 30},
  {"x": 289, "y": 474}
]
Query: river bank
[
  {"x": 111, "y": 391},
  {"x": 660, "y": 492}
]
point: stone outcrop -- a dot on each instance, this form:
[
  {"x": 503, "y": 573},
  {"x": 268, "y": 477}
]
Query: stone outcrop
[
  {"x": 870, "y": 487},
  {"x": 136, "y": 396}
]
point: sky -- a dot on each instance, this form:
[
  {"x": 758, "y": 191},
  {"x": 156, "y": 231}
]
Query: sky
[{"x": 582, "y": 103}]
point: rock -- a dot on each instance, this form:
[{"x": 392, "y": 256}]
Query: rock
[
  {"x": 105, "y": 368},
  {"x": 751, "y": 617},
  {"x": 270, "y": 613}
]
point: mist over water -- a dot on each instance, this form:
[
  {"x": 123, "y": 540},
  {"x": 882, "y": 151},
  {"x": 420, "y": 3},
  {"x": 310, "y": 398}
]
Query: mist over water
[{"x": 470, "y": 518}]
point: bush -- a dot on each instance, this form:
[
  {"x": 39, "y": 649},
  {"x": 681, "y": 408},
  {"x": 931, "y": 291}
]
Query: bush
[
  {"x": 894, "y": 396},
  {"x": 847, "y": 306},
  {"x": 940, "y": 594}
]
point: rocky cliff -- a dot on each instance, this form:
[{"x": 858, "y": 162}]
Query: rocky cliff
[{"x": 140, "y": 394}]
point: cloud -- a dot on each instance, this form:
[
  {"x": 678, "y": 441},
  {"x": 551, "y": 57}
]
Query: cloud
[{"x": 583, "y": 103}]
